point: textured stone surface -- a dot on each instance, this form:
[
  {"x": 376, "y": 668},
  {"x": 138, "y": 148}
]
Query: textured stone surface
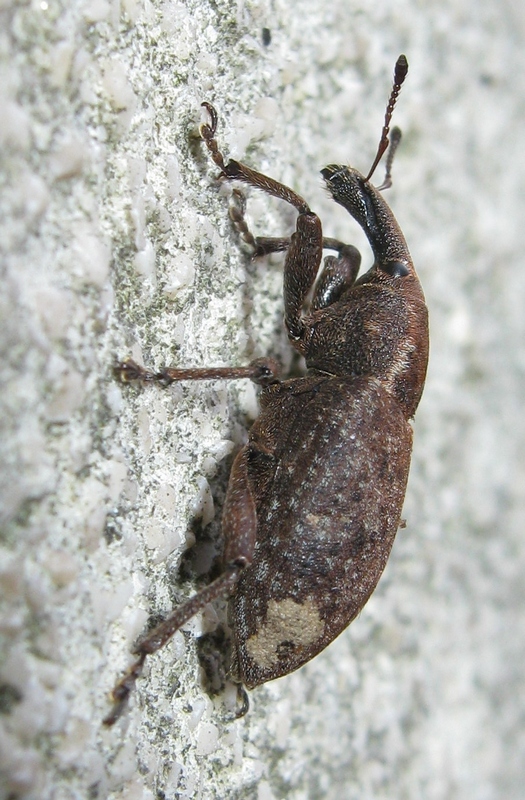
[{"x": 115, "y": 241}]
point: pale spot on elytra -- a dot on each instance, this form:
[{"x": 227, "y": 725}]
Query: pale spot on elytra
[
  {"x": 286, "y": 622},
  {"x": 313, "y": 520}
]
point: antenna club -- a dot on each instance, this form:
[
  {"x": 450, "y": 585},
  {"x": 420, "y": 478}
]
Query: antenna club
[{"x": 400, "y": 70}]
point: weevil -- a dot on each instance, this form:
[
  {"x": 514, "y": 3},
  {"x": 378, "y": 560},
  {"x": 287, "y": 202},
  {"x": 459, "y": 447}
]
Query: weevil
[{"x": 314, "y": 498}]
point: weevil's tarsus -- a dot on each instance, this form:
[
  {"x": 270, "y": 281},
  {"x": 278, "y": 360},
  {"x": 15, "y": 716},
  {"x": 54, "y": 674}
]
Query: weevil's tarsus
[
  {"x": 121, "y": 692},
  {"x": 237, "y": 213},
  {"x": 207, "y": 132},
  {"x": 243, "y": 702}
]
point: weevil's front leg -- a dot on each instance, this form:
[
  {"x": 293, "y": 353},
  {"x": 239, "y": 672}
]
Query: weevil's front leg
[
  {"x": 304, "y": 248},
  {"x": 240, "y": 531},
  {"x": 236, "y": 171},
  {"x": 300, "y": 269}
]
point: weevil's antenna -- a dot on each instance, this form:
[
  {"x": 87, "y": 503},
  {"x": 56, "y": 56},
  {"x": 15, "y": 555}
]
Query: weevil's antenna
[
  {"x": 395, "y": 138},
  {"x": 400, "y": 73}
]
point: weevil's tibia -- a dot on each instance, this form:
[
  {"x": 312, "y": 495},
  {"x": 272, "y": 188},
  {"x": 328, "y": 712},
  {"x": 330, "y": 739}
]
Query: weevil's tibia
[{"x": 400, "y": 73}]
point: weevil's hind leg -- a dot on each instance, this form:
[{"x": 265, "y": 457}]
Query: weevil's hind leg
[
  {"x": 163, "y": 632},
  {"x": 240, "y": 530}
]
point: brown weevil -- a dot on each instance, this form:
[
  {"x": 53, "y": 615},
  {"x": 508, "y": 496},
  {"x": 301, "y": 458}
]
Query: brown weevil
[{"x": 314, "y": 498}]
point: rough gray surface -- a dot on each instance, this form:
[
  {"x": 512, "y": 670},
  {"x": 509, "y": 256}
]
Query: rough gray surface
[{"x": 115, "y": 240}]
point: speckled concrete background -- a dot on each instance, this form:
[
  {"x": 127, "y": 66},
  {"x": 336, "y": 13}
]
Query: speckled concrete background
[{"x": 115, "y": 240}]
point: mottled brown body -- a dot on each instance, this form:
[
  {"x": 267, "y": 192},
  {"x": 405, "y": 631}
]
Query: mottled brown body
[
  {"x": 328, "y": 494},
  {"x": 315, "y": 497}
]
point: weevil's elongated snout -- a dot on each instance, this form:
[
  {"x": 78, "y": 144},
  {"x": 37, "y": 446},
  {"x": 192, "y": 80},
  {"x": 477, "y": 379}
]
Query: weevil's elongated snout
[
  {"x": 365, "y": 203},
  {"x": 347, "y": 187}
]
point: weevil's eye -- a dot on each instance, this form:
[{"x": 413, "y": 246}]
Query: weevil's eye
[{"x": 396, "y": 269}]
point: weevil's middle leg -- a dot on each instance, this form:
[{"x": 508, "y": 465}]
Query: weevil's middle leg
[
  {"x": 338, "y": 274},
  {"x": 348, "y": 258},
  {"x": 261, "y": 245},
  {"x": 262, "y": 371}
]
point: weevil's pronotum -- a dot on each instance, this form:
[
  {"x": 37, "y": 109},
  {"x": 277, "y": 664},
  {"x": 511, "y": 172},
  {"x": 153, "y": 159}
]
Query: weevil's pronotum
[{"x": 315, "y": 497}]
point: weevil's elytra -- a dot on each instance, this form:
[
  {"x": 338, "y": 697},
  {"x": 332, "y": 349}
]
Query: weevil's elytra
[
  {"x": 315, "y": 497},
  {"x": 292, "y": 601}
]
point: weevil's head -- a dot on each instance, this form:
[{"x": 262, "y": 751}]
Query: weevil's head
[
  {"x": 386, "y": 303},
  {"x": 367, "y": 206},
  {"x": 364, "y": 202},
  {"x": 351, "y": 190}
]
